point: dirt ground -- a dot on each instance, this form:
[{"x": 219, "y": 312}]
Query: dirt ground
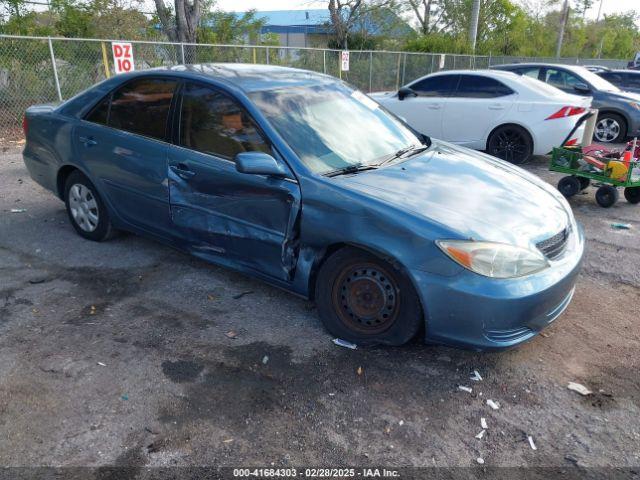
[{"x": 120, "y": 354}]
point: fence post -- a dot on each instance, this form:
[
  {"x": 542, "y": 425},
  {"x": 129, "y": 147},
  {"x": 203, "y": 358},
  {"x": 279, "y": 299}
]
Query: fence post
[
  {"x": 182, "y": 51},
  {"x": 55, "y": 70},
  {"x": 105, "y": 60},
  {"x": 398, "y": 72},
  {"x": 267, "y": 52},
  {"x": 370, "y": 70},
  {"x": 489, "y": 58},
  {"x": 324, "y": 62},
  {"x": 404, "y": 67}
]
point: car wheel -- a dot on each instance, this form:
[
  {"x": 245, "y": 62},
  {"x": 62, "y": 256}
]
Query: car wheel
[
  {"x": 86, "y": 209},
  {"x": 610, "y": 128},
  {"x": 569, "y": 186},
  {"x": 510, "y": 143},
  {"x": 584, "y": 183},
  {"x": 366, "y": 300},
  {"x": 632, "y": 194},
  {"x": 606, "y": 196}
]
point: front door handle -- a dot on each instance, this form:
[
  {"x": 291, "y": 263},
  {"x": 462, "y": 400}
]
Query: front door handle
[
  {"x": 435, "y": 106},
  {"x": 88, "y": 141},
  {"x": 182, "y": 170},
  {"x": 496, "y": 106}
]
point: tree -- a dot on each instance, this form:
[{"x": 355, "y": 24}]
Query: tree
[
  {"x": 181, "y": 23},
  {"x": 345, "y": 14}
]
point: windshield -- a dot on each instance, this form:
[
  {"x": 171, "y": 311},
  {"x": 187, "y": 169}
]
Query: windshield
[
  {"x": 597, "y": 81},
  {"x": 541, "y": 87},
  {"x": 332, "y": 126}
]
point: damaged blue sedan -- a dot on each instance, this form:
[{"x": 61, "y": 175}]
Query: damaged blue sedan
[{"x": 299, "y": 179}]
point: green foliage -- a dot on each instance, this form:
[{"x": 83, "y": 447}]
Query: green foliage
[{"x": 505, "y": 28}]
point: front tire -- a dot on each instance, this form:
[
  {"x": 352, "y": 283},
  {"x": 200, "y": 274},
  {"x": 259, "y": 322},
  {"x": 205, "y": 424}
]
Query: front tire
[
  {"x": 511, "y": 143},
  {"x": 366, "y": 300},
  {"x": 85, "y": 208},
  {"x": 610, "y": 128}
]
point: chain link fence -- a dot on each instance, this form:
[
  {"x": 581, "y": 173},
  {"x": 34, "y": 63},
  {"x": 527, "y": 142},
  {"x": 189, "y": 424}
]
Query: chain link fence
[{"x": 44, "y": 70}]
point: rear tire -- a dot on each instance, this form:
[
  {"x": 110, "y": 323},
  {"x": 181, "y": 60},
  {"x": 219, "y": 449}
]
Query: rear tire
[
  {"x": 366, "y": 300},
  {"x": 86, "y": 210},
  {"x": 606, "y": 196},
  {"x": 632, "y": 194},
  {"x": 569, "y": 186},
  {"x": 511, "y": 143},
  {"x": 610, "y": 128}
]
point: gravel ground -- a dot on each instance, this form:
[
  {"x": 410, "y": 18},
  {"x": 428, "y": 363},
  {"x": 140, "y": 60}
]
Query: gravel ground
[{"x": 120, "y": 354}]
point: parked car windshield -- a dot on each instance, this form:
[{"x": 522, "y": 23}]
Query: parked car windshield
[
  {"x": 332, "y": 126},
  {"x": 597, "y": 81}
]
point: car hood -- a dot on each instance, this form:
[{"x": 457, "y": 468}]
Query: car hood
[
  {"x": 470, "y": 194},
  {"x": 624, "y": 96}
]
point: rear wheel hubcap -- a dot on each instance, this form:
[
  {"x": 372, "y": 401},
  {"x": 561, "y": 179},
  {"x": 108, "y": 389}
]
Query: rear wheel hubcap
[{"x": 84, "y": 208}]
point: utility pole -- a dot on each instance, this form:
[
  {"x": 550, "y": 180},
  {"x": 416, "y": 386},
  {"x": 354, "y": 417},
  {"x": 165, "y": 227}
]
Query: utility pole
[
  {"x": 473, "y": 31},
  {"x": 599, "y": 11},
  {"x": 564, "y": 17}
]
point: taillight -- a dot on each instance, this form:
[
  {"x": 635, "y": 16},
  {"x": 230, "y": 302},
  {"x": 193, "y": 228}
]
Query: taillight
[
  {"x": 25, "y": 125},
  {"x": 567, "y": 112}
]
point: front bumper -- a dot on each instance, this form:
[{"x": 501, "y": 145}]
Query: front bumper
[{"x": 472, "y": 311}]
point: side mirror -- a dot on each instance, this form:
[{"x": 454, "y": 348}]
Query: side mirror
[
  {"x": 258, "y": 163},
  {"x": 582, "y": 88},
  {"x": 406, "y": 92}
]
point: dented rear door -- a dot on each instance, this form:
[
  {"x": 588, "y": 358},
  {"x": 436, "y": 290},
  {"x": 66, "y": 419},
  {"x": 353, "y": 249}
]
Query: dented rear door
[{"x": 237, "y": 218}]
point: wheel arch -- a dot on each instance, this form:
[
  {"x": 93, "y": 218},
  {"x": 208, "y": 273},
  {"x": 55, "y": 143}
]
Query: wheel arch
[
  {"x": 61, "y": 178},
  {"x": 325, "y": 253}
]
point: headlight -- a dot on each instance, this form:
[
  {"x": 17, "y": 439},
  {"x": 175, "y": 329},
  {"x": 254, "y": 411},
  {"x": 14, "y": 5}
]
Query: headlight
[
  {"x": 496, "y": 260},
  {"x": 635, "y": 105}
]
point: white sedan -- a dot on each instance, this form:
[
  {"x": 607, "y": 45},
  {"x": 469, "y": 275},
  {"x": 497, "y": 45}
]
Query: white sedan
[{"x": 510, "y": 116}]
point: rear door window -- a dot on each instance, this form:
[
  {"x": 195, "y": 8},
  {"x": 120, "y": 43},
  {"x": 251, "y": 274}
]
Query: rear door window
[
  {"x": 142, "y": 107},
  {"x": 100, "y": 113},
  {"x": 436, "y": 86},
  {"x": 213, "y": 123},
  {"x": 477, "y": 86}
]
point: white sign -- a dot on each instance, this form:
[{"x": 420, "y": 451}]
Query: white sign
[
  {"x": 344, "y": 63},
  {"x": 122, "y": 57},
  {"x": 441, "y": 64}
]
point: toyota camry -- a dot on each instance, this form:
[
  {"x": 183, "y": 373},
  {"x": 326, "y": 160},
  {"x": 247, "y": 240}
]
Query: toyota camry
[{"x": 303, "y": 181}]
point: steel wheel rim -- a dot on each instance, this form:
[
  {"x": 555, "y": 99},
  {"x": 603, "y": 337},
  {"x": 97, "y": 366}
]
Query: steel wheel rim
[
  {"x": 366, "y": 298},
  {"x": 509, "y": 145},
  {"x": 607, "y": 130},
  {"x": 84, "y": 208}
]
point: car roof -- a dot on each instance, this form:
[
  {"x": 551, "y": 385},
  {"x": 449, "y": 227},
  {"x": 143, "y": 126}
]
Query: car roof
[
  {"x": 482, "y": 73},
  {"x": 575, "y": 68},
  {"x": 247, "y": 77},
  {"x": 623, "y": 70}
]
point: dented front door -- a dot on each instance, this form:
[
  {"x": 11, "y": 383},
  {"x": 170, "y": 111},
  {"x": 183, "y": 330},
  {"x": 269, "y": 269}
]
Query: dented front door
[{"x": 237, "y": 218}]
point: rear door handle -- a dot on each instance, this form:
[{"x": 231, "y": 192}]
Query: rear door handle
[
  {"x": 88, "y": 141},
  {"x": 435, "y": 106},
  {"x": 182, "y": 170},
  {"x": 496, "y": 106}
]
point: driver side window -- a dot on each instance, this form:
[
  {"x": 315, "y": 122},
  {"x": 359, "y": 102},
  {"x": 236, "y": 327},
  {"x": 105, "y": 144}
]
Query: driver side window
[
  {"x": 561, "y": 79},
  {"x": 213, "y": 123}
]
